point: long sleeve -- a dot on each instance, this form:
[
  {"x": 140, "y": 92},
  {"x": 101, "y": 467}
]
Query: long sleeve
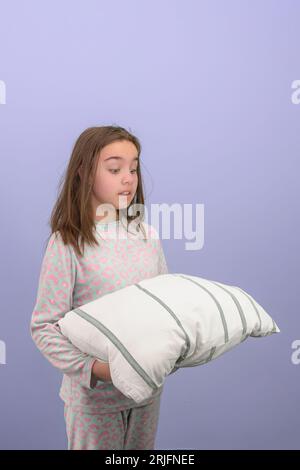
[
  {"x": 162, "y": 263},
  {"x": 54, "y": 300}
]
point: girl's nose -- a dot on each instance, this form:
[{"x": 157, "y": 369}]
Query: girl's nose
[{"x": 128, "y": 178}]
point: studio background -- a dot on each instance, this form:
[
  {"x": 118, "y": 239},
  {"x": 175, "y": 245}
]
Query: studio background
[{"x": 207, "y": 88}]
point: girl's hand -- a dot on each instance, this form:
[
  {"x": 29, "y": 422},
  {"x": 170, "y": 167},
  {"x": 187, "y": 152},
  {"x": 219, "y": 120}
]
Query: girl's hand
[{"x": 101, "y": 371}]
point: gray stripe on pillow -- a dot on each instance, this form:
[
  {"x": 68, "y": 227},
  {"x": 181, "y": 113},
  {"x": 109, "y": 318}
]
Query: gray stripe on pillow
[
  {"x": 252, "y": 303},
  {"x": 187, "y": 339},
  {"x": 258, "y": 314},
  {"x": 135, "y": 365},
  {"x": 203, "y": 361},
  {"x": 274, "y": 326},
  {"x": 238, "y": 306},
  {"x": 216, "y": 302}
]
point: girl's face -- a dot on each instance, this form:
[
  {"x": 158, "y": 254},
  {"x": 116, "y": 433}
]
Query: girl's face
[{"x": 116, "y": 172}]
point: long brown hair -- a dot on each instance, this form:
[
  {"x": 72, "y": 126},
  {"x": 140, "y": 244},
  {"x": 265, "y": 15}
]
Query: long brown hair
[{"x": 72, "y": 213}]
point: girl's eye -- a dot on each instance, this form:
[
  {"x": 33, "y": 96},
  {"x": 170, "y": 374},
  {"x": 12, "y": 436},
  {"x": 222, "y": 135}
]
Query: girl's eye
[{"x": 115, "y": 171}]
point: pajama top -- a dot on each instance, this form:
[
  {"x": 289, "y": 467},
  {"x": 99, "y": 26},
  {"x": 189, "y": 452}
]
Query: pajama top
[{"x": 68, "y": 281}]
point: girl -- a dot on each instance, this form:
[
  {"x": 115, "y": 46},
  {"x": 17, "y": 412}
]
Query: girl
[{"x": 84, "y": 260}]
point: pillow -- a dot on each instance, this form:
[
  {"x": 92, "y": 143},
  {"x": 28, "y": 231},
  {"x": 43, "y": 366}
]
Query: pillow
[{"x": 148, "y": 330}]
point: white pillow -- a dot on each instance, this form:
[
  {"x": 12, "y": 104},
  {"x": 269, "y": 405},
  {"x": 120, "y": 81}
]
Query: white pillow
[{"x": 148, "y": 330}]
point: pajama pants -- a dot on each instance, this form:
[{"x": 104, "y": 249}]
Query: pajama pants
[{"x": 134, "y": 428}]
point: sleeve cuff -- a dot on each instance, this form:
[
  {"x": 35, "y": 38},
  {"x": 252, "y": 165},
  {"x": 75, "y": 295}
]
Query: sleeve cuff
[{"x": 87, "y": 379}]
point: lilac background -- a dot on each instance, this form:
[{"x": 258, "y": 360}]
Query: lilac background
[{"x": 206, "y": 86}]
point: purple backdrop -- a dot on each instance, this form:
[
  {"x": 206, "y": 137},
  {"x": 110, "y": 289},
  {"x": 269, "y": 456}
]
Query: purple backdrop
[{"x": 207, "y": 87}]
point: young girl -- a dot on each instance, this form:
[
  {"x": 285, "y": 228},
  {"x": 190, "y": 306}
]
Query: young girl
[{"x": 89, "y": 253}]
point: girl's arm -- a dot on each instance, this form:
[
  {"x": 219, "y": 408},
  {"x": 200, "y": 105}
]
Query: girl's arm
[
  {"x": 54, "y": 300},
  {"x": 162, "y": 263},
  {"x": 162, "y": 267}
]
